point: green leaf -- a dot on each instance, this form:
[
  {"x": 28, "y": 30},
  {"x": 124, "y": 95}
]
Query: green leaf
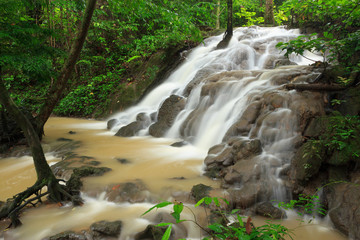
[
  {"x": 160, "y": 205},
  {"x": 167, "y": 233},
  {"x": 199, "y": 202}
]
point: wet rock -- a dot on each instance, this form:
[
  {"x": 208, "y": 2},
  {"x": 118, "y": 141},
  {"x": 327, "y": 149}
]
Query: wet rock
[
  {"x": 68, "y": 235},
  {"x": 167, "y": 114},
  {"x": 344, "y": 208},
  {"x": 123, "y": 160},
  {"x": 306, "y": 162},
  {"x": 267, "y": 209},
  {"x": 242, "y": 172},
  {"x": 106, "y": 230},
  {"x": 179, "y": 144},
  {"x": 243, "y": 125},
  {"x": 225, "y": 158},
  {"x": 72, "y": 132},
  {"x": 283, "y": 62},
  {"x": 246, "y": 196},
  {"x": 152, "y": 232},
  {"x": 133, "y": 192},
  {"x": 112, "y": 123},
  {"x": 74, "y": 183},
  {"x": 200, "y": 191},
  {"x": 246, "y": 149},
  {"x": 307, "y": 106},
  {"x": 142, "y": 121}
]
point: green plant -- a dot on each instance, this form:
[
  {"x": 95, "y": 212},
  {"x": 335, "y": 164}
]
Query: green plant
[
  {"x": 236, "y": 230},
  {"x": 305, "y": 204}
]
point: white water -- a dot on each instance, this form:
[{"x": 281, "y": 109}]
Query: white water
[
  {"x": 239, "y": 55},
  {"x": 240, "y": 76}
]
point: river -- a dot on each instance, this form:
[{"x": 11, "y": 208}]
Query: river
[{"x": 151, "y": 160}]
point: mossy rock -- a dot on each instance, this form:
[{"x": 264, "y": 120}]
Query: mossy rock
[
  {"x": 307, "y": 161},
  {"x": 68, "y": 235},
  {"x": 200, "y": 191},
  {"x": 103, "y": 229},
  {"x": 75, "y": 184},
  {"x": 151, "y": 232}
]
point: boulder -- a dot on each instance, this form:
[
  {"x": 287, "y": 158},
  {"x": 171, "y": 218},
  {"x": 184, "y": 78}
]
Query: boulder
[
  {"x": 142, "y": 121},
  {"x": 267, "y": 209},
  {"x": 106, "y": 230},
  {"x": 167, "y": 114},
  {"x": 152, "y": 232},
  {"x": 74, "y": 184},
  {"x": 306, "y": 162},
  {"x": 246, "y": 196},
  {"x": 133, "y": 192},
  {"x": 344, "y": 208},
  {"x": 68, "y": 235},
  {"x": 243, "y": 125},
  {"x": 200, "y": 191}
]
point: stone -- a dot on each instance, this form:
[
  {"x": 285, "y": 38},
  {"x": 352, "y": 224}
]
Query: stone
[
  {"x": 74, "y": 183},
  {"x": 200, "y": 191},
  {"x": 111, "y": 123},
  {"x": 151, "y": 232},
  {"x": 307, "y": 162},
  {"x": 103, "y": 229},
  {"x": 168, "y": 111},
  {"x": 142, "y": 121},
  {"x": 344, "y": 208},
  {"x": 246, "y": 196},
  {"x": 68, "y": 235},
  {"x": 267, "y": 209},
  {"x": 133, "y": 192}
]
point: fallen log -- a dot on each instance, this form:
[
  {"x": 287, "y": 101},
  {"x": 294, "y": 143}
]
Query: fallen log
[{"x": 315, "y": 87}]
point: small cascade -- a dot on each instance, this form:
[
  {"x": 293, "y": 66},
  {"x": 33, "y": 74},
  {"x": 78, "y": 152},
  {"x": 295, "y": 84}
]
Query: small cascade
[{"x": 231, "y": 102}]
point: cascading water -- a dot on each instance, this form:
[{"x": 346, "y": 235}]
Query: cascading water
[{"x": 214, "y": 89}]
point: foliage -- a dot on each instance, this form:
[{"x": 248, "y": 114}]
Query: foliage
[
  {"x": 237, "y": 230},
  {"x": 305, "y": 205},
  {"x": 340, "y": 140}
]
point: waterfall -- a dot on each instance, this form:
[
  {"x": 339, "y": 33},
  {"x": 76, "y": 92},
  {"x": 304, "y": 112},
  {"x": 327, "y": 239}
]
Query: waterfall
[{"x": 232, "y": 99}]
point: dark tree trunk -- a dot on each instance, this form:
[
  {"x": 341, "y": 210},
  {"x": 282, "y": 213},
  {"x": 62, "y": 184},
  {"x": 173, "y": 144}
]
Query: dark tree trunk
[
  {"x": 55, "y": 92},
  {"x": 269, "y": 13},
  {"x": 229, "y": 27}
]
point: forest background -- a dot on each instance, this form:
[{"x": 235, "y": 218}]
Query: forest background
[{"x": 131, "y": 44}]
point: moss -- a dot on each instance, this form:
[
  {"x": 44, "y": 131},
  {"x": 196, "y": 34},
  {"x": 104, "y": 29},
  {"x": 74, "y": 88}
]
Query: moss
[{"x": 200, "y": 191}]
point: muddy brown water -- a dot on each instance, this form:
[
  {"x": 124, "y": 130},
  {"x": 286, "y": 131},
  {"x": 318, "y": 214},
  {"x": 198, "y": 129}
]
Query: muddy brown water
[{"x": 151, "y": 160}]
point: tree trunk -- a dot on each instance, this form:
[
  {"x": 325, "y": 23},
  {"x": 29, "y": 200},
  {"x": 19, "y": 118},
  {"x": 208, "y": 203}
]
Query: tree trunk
[
  {"x": 218, "y": 15},
  {"x": 229, "y": 28},
  {"x": 269, "y": 13},
  {"x": 55, "y": 92},
  {"x": 43, "y": 170}
]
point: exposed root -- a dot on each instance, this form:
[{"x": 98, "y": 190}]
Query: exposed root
[{"x": 55, "y": 193}]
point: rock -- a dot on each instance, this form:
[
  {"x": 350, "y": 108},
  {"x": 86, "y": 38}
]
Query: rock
[
  {"x": 142, "y": 121},
  {"x": 344, "y": 208},
  {"x": 68, "y": 235},
  {"x": 200, "y": 191},
  {"x": 167, "y": 114},
  {"x": 74, "y": 183},
  {"x": 243, "y": 125},
  {"x": 306, "y": 162},
  {"x": 112, "y": 123},
  {"x": 133, "y": 192},
  {"x": 267, "y": 209},
  {"x": 246, "y": 196},
  {"x": 151, "y": 232},
  {"x": 104, "y": 230},
  {"x": 242, "y": 172},
  {"x": 179, "y": 144},
  {"x": 123, "y": 160}
]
